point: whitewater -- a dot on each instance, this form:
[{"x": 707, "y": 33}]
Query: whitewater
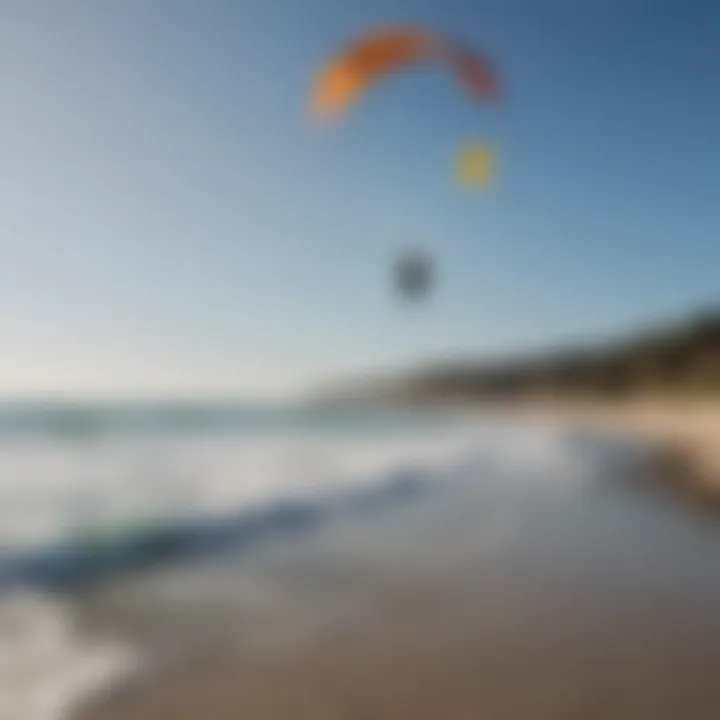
[{"x": 91, "y": 496}]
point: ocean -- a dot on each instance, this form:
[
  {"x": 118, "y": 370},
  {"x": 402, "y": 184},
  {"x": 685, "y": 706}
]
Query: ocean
[
  {"x": 140, "y": 537},
  {"x": 78, "y": 481}
]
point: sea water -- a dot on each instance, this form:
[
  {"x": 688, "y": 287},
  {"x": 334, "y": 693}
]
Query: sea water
[{"x": 131, "y": 496}]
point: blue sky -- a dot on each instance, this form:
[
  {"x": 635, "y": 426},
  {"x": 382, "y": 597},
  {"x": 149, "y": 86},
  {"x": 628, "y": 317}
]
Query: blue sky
[{"x": 171, "y": 224}]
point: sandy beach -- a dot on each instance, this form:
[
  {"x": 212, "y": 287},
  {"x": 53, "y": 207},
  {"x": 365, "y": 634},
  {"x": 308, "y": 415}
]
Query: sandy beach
[{"x": 587, "y": 602}]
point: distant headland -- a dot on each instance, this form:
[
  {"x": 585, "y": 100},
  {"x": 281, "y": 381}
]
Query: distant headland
[{"x": 677, "y": 360}]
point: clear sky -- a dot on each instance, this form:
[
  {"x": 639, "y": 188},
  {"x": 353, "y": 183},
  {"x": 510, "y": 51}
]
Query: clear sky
[{"x": 171, "y": 223}]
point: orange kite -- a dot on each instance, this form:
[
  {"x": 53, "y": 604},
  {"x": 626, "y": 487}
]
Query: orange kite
[{"x": 377, "y": 54}]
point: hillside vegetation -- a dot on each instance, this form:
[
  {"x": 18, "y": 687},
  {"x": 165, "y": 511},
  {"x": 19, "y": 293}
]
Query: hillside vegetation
[{"x": 680, "y": 359}]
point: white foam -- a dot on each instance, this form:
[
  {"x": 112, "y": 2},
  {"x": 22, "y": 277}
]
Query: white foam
[
  {"x": 49, "y": 489},
  {"x": 46, "y": 669}
]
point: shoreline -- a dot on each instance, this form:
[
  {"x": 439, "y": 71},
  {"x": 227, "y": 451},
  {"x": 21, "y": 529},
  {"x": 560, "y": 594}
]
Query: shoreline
[
  {"x": 460, "y": 642},
  {"x": 686, "y": 435}
]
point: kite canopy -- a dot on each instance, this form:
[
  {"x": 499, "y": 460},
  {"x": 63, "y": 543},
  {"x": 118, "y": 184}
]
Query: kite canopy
[{"x": 349, "y": 75}]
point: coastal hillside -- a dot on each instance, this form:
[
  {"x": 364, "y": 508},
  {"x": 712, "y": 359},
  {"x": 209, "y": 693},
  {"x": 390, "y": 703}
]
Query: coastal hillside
[{"x": 680, "y": 358}]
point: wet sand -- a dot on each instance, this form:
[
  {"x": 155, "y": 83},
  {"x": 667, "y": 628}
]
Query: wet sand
[
  {"x": 546, "y": 602},
  {"x": 455, "y": 652}
]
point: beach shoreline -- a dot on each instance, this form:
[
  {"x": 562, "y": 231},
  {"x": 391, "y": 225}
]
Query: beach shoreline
[
  {"x": 460, "y": 641},
  {"x": 685, "y": 436}
]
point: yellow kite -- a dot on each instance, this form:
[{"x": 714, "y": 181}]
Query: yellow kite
[{"x": 475, "y": 166}]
